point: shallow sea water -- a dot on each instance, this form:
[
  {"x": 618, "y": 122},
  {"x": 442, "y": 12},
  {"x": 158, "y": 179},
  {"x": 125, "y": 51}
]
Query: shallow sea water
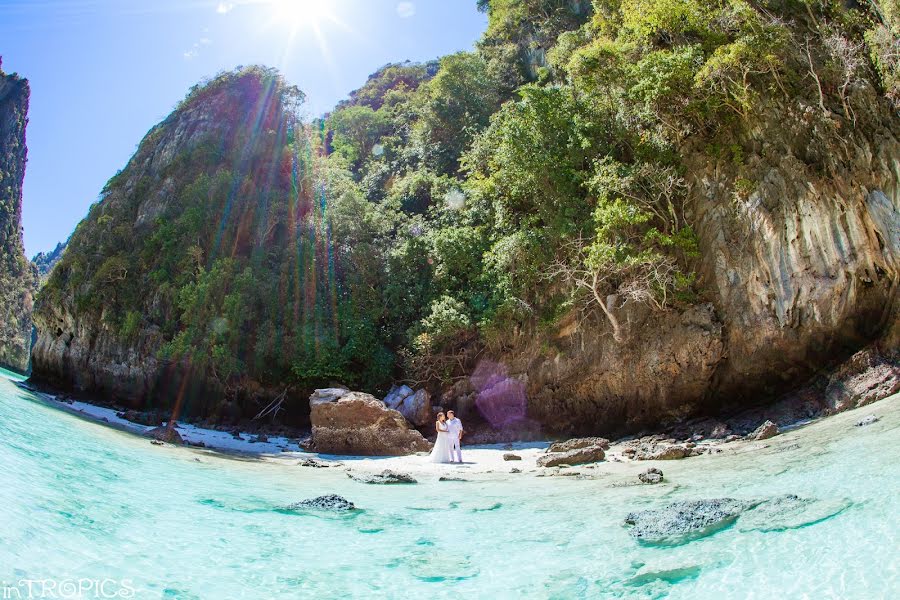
[{"x": 81, "y": 501}]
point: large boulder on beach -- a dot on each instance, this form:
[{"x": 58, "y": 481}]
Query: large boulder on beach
[
  {"x": 414, "y": 406},
  {"x": 355, "y": 423},
  {"x": 681, "y": 522},
  {"x": 164, "y": 433},
  {"x": 578, "y": 443},
  {"x": 661, "y": 452},
  {"x": 576, "y": 456}
]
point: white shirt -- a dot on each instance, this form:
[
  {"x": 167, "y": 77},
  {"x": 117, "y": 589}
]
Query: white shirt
[{"x": 454, "y": 426}]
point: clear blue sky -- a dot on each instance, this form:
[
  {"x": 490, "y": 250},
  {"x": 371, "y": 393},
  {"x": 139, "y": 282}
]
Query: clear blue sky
[{"x": 103, "y": 72}]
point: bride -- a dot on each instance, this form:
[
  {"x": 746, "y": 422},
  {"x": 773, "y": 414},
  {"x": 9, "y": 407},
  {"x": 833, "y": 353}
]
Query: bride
[{"x": 441, "y": 451}]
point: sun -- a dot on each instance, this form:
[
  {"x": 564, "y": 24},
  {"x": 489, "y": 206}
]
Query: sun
[{"x": 296, "y": 13}]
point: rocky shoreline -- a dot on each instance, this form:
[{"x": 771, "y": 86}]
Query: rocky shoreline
[{"x": 639, "y": 460}]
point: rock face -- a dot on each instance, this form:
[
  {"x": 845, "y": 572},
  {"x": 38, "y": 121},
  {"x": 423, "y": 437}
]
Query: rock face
[
  {"x": 354, "y": 423},
  {"x": 330, "y": 503},
  {"x": 576, "y": 456},
  {"x": 801, "y": 270},
  {"x": 866, "y": 377},
  {"x": 18, "y": 277},
  {"x": 193, "y": 205},
  {"x": 681, "y": 522},
  {"x": 415, "y": 406},
  {"x": 45, "y": 261}
]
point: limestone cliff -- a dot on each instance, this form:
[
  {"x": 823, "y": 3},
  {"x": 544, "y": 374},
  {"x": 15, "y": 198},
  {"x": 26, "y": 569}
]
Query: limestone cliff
[
  {"x": 800, "y": 267},
  {"x": 146, "y": 294},
  {"x": 17, "y": 275}
]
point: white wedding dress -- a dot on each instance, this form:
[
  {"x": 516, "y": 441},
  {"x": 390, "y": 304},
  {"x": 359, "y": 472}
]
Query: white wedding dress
[{"x": 441, "y": 451}]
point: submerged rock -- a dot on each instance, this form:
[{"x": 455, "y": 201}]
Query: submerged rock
[
  {"x": 765, "y": 431},
  {"x": 164, "y": 433},
  {"x": 315, "y": 463},
  {"x": 867, "y": 420},
  {"x": 385, "y": 477},
  {"x": 790, "y": 512},
  {"x": 651, "y": 475},
  {"x": 345, "y": 422},
  {"x": 681, "y": 522},
  {"x": 577, "y": 443},
  {"x": 578, "y": 456},
  {"x": 329, "y": 502}
]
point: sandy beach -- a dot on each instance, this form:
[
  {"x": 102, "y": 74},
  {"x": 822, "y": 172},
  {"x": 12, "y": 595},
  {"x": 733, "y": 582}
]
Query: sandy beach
[{"x": 481, "y": 462}]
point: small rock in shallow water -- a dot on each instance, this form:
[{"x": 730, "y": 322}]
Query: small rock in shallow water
[
  {"x": 680, "y": 522},
  {"x": 316, "y": 463},
  {"x": 514, "y": 470},
  {"x": 385, "y": 477},
  {"x": 445, "y": 478},
  {"x": 765, "y": 431},
  {"x": 330, "y": 502},
  {"x": 651, "y": 475},
  {"x": 510, "y": 456},
  {"x": 867, "y": 420}
]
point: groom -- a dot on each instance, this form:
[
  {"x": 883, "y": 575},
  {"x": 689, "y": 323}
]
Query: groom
[{"x": 455, "y": 432}]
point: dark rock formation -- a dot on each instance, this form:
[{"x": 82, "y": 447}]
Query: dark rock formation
[
  {"x": 651, "y": 475},
  {"x": 330, "y": 503},
  {"x": 164, "y": 433},
  {"x": 18, "y": 277},
  {"x": 576, "y": 456},
  {"x": 355, "y": 423},
  {"x": 681, "y": 522},
  {"x": 386, "y": 477}
]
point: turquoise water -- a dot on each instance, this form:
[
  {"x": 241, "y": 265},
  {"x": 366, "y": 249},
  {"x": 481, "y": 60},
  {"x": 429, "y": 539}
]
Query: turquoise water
[{"x": 80, "y": 501}]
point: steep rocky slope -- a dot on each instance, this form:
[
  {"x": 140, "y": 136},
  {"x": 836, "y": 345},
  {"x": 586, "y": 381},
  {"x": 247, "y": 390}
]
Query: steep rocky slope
[
  {"x": 800, "y": 271},
  {"x": 45, "y": 261},
  {"x": 17, "y": 276},
  {"x": 188, "y": 252}
]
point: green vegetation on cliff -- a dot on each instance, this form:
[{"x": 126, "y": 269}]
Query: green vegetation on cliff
[
  {"x": 18, "y": 277},
  {"x": 444, "y": 207}
]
